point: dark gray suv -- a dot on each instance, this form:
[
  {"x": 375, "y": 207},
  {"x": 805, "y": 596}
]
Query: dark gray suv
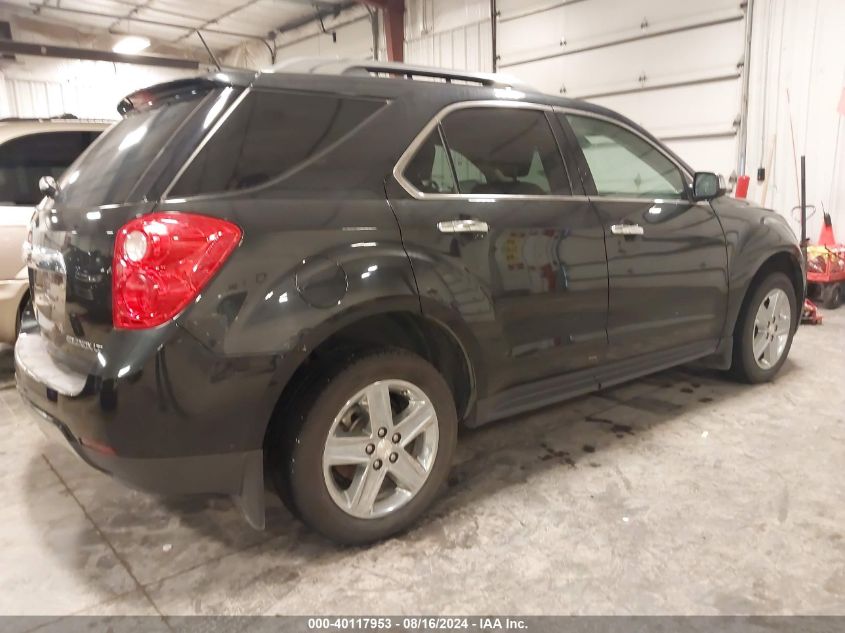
[{"x": 314, "y": 275}]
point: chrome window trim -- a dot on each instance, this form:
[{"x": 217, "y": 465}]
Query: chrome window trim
[
  {"x": 419, "y": 139},
  {"x": 684, "y": 171},
  {"x": 646, "y": 200},
  {"x": 217, "y": 125}
]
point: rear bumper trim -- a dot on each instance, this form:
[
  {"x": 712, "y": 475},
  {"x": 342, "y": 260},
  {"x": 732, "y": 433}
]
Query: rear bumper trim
[
  {"x": 239, "y": 474},
  {"x": 32, "y": 358}
]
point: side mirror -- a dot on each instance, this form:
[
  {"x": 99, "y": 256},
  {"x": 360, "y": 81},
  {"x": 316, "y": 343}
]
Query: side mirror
[
  {"x": 707, "y": 185},
  {"x": 48, "y": 186}
]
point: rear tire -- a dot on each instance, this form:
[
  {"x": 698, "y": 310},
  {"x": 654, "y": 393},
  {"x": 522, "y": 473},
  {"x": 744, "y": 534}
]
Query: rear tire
[
  {"x": 831, "y": 296},
  {"x": 764, "y": 330},
  {"x": 359, "y": 405}
]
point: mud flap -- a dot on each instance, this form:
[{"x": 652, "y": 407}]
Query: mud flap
[
  {"x": 722, "y": 358},
  {"x": 250, "y": 501}
]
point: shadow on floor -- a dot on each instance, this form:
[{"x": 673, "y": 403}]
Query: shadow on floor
[{"x": 571, "y": 435}]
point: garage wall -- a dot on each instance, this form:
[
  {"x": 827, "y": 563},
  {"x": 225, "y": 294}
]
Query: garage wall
[
  {"x": 674, "y": 67},
  {"x": 798, "y": 46},
  {"x": 89, "y": 90},
  {"x": 678, "y": 73},
  {"x": 44, "y": 87},
  {"x": 671, "y": 66},
  {"x": 449, "y": 33},
  {"x": 354, "y": 39}
]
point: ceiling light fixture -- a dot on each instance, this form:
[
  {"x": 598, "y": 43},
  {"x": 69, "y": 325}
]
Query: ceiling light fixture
[{"x": 131, "y": 44}]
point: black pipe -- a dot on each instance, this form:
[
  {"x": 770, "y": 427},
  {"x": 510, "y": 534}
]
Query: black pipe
[
  {"x": 69, "y": 52},
  {"x": 803, "y": 208},
  {"x": 208, "y": 50},
  {"x": 493, "y": 18}
]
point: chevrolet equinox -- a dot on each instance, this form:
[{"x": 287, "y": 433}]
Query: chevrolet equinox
[{"x": 314, "y": 274}]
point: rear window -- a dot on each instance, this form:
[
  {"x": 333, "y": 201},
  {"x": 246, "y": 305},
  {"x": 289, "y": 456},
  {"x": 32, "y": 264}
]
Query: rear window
[
  {"x": 268, "y": 135},
  {"x": 24, "y": 160},
  {"x": 110, "y": 172}
]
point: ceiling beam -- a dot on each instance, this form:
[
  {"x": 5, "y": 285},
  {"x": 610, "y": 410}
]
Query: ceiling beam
[
  {"x": 70, "y": 52},
  {"x": 190, "y": 30}
]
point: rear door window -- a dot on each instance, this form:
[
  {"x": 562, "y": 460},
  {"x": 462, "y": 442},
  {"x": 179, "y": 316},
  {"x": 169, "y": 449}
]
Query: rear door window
[
  {"x": 508, "y": 151},
  {"x": 24, "y": 160},
  {"x": 429, "y": 170},
  {"x": 268, "y": 135}
]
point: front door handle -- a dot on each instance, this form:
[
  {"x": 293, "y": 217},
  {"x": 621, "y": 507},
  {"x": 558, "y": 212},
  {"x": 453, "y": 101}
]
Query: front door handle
[
  {"x": 463, "y": 226},
  {"x": 627, "y": 229}
]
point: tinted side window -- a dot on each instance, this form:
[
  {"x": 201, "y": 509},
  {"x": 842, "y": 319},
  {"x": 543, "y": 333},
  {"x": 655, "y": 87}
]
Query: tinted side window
[
  {"x": 622, "y": 163},
  {"x": 267, "y": 135},
  {"x": 505, "y": 151},
  {"x": 429, "y": 170},
  {"x": 24, "y": 160},
  {"x": 469, "y": 175},
  {"x": 110, "y": 172}
]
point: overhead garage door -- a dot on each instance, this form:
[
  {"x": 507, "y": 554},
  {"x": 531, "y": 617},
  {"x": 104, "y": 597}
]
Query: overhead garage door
[{"x": 674, "y": 67}]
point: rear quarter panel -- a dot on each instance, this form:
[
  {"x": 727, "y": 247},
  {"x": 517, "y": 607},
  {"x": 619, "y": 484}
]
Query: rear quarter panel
[{"x": 300, "y": 264}]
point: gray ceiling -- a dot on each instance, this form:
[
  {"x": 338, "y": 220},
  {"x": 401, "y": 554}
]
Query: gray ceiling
[{"x": 224, "y": 23}]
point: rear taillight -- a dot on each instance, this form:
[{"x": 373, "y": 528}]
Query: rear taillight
[{"x": 162, "y": 261}]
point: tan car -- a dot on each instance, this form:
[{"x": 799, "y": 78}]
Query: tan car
[{"x": 29, "y": 149}]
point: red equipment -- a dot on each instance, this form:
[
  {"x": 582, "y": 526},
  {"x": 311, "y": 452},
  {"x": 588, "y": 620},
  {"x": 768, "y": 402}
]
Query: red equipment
[
  {"x": 810, "y": 313},
  {"x": 742, "y": 187},
  {"x": 826, "y": 268},
  {"x": 826, "y": 237}
]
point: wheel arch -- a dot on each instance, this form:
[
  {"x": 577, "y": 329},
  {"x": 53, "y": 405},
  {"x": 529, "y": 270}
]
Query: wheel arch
[
  {"x": 400, "y": 326},
  {"x": 784, "y": 261}
]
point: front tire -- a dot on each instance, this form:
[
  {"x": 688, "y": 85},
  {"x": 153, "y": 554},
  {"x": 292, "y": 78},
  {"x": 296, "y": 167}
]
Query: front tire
[
  {"x": 764, "y": 330},
  {"x": 371, "y": 445}
]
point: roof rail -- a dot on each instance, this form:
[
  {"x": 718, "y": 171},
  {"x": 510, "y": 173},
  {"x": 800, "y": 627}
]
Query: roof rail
[
  {"x": 324, "y": 66},
  {"x": 48, "y": 119}
]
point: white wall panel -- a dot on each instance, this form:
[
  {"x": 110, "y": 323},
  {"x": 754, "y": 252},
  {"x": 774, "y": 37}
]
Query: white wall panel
[
  {"x": 706, "y": 154},
  {"x": 590, "y": 22},
  {"x": 605, "y": 51},
  {"x": 806, "y": 57},
  {"x": 354, "y": 41},
  {"x": 353, "y": 28},
  {"x": 449, "y": 33},
  {"x": 466, "y": 48},
  {"x": 424, "y": 17},
  {"x": 678, "y": 56},
  {"x": 707, "y": 110},
  {"x": 88, "y": 89}
]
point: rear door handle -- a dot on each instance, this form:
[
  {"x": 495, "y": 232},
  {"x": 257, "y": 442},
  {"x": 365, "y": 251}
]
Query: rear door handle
[
  {"x": 463, "y": 226},
  {"x": 627, "y": 229}
]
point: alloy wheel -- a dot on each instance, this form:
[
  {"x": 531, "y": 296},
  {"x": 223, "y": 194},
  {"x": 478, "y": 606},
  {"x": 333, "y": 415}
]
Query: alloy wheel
[
  {"x": 771, "y": 328},
  {"x": 380, "y": 449}
]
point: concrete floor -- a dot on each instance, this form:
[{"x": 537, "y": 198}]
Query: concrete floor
[{"x": 681, "y": 493}]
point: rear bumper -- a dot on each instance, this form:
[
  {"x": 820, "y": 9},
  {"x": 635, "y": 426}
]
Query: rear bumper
[
  {"x": 222, "y": 473},
  {"x": 159, "y": 431},
  {"x": 11, "y": 295}
]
